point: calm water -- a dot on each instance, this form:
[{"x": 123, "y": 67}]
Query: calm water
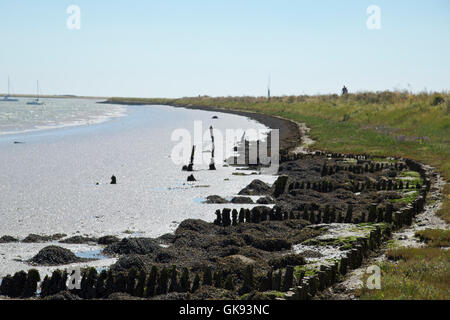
[
  {"x": 17, "y": 117},
  {"x": 48, "y": 182}
]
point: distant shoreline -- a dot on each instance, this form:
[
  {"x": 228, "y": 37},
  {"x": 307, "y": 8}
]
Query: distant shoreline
[{"x": 64, "y": 96}]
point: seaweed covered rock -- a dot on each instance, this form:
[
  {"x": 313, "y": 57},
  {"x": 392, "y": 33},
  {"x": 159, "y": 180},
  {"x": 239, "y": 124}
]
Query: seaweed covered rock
[
  {"x": 105, "y": 240},
  {"x": 287, "y": 260},
  {"x": 63, "y": 295},
  {"x": 122, "y": 296},
  {"x": 78, "y": 240},
  {"x": 265, "y": 200},
  {"x": 173, "y": 296},
  {"x": 195, "y": 225},
  {"x": 255, "y": 188},
  {"x": 214, "y": 199},
  {"x": 133, "y": 246},
  {"x": 212, "y": 293},
  {"x": 280, "y": 185},
  {"x": 8, "y": 239},
  {"x": 167, "y": 238},
  {"x": 35, "y": 238},
  {"x": 128, "y": 262},
  {"x": 165, "y": 256},
  {"x": 271, "y": 244},
  {"x": 242, "y": 200},
  {"x": 54, "y": 255}
]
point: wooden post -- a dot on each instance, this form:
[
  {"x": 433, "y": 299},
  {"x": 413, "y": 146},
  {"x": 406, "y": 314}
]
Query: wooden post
[
  {"x": 190, "y": 167},
  {"x": 212, "y": 165}
]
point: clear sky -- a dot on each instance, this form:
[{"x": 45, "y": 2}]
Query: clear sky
[{"x": 174, "y": 48}]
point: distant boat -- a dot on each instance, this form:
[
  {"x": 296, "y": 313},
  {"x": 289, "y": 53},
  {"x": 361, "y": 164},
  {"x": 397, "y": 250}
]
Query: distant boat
[
  {"x": 7, "y": 97},
  {"x": 36, "y": 101}
]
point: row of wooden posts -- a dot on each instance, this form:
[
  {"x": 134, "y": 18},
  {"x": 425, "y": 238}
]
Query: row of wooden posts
[
  {"x": 328, "y": 275},
  {"x": 326, "y": 186},
  {"x": 327, "y": 214}
]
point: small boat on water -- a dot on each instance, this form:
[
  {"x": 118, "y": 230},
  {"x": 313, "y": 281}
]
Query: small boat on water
[
  {"x": 36, "y": 101},
  {"x": 8, "y": 96}
]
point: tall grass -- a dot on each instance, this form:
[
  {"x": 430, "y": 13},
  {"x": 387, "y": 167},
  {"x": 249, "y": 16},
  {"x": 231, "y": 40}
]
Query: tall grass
[
  {"x": 419, "y": 273},
  {"x": 435, "y": 237}
]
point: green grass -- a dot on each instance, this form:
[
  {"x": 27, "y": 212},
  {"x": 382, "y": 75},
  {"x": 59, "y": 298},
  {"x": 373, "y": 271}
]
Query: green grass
[
  {"x": 413, "y": 174},
  {"x": 419, "y": 274},
  {"x": 344, "y": 243},
  {"x": 435, "y": 237},
  {"x": 309, "y": 271},
  {"x": 409, "y": 197}
]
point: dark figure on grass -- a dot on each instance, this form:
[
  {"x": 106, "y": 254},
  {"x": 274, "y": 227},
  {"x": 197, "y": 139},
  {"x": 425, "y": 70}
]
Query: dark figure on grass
[
  {"x": 113, "y": 180},
  {"x": 344, "y": 91}
]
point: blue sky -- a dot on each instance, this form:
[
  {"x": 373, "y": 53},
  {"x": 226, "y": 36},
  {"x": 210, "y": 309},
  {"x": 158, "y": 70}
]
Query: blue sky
[{"x": 174, "y": 48}]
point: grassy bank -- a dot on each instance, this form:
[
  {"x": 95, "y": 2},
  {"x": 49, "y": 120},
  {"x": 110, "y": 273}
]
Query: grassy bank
[{"x": 417, "y": 273}]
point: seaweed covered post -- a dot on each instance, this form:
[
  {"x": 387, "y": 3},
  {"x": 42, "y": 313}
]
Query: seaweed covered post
[
  {"x": 288, "y": 278},
  {"x": 276, "y": 285},
  {"x": 196, "y": 283},
  {"x": 249, "y": 280},
  {"x": 163, "y": 280},
  {"x": 120, "y": 283},
  {"x": 140, "y": 287},
  {"x": 234, "y": 214},
  {"x": 349, "y": 214},
  {"x": 185, "y": 284},
  {"x": 30, "y": 288},
  {"x": 326, "y": 214},
  {"x": 372, "y": 212},
  {"x": 333, "y": 214},
  {"x": 100, "y": 285},
  {"x": 174, "y": 286},
  {"x": 54, "y": 284},
  {"x": 241, "y": 215},
  {"x": 229, "y": 283},
  {"x": 218, "y": 283},
  {"x": 88, "y": 285},
  {"x": 190, "y": 166},
  {"x": 109, "y": 283},
  {"x": 207, "y": 277},
  {"x": 280, "y": 185},
  {"x": 16, "y": 284},
  {"x": 388, "y": 214},
  {"x": 212, "y": 165},
  {"x": 151, "y": 282},
  {"x": 218, "y": 220},
  {"x": 266, "y": 283},
  {"x": 226, "y": 219},
  {"x": 131, "y": 281}
]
